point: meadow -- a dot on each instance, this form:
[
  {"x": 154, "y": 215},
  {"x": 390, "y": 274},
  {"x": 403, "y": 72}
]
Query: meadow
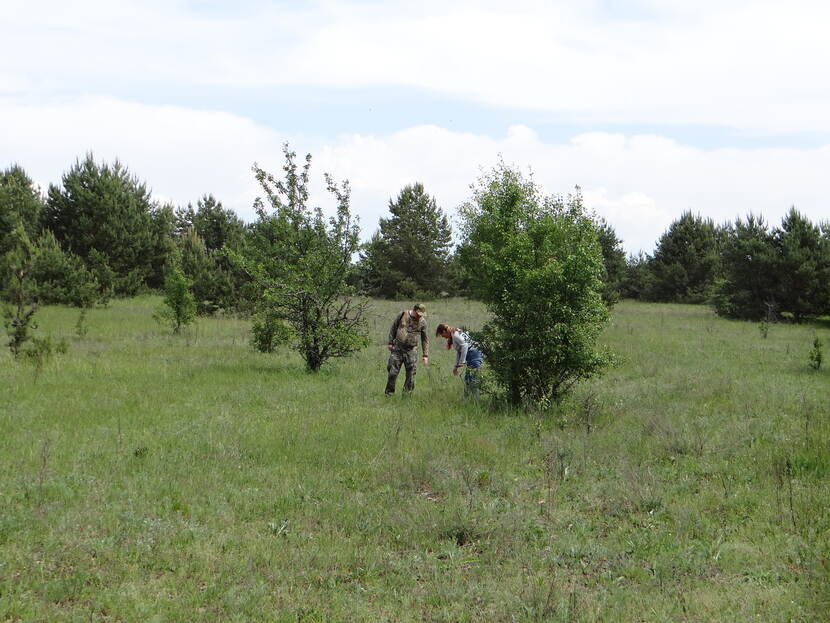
[{"x": 151, "y": 477}]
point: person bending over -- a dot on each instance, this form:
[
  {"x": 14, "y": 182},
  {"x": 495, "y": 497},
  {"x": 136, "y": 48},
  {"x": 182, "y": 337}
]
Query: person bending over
[{"x": 467, "y": 355}]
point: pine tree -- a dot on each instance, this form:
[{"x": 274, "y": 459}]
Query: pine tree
[
  {"x": 409, "y": 254},
  {"x": 613, "y": 259},
  {"x": 749, "y": 286},
  {"x": 803, "y": 267},
  {"x": 103, "y": 214},
  {"x": 20, "y": 203},
  {"x": 216, "y": 225},
  {"x": 686, "y": 261}
]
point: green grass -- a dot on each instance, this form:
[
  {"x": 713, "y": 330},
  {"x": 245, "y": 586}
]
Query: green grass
[{"x": 150, "y": 478}]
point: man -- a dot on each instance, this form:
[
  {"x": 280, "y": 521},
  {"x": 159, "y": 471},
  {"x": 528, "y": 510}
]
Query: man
[{"x": 409, "y": 325}]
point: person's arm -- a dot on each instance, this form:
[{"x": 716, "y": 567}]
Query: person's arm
[
  {"x": 424, "y": 340},
  {"x": 461, "y": 348}
]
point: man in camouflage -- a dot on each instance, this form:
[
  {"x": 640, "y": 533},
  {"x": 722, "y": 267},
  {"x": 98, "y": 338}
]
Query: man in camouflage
[{"x": 408, "y": 327}]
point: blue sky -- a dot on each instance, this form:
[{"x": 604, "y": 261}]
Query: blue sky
[{"x": 652, "y": 108}]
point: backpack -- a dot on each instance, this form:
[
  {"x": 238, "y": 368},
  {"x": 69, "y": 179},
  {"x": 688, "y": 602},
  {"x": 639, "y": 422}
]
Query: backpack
[{"x": 401, "y": 333}]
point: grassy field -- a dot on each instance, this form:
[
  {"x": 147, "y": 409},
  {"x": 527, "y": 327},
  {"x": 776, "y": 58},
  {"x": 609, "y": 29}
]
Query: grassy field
[{"x": 146, "y": 477}]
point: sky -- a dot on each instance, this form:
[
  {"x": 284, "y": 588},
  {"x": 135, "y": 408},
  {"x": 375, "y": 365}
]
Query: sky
[{"x": 650, "y": 108}]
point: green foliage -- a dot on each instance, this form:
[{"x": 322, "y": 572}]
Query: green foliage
[
  {"x": 179, "y": 308},
  {"x": 638, "y": 278},
  {"x": 816, "y": 354},
  {"x": 203, "y": 234},
  {"x": 19, "y": 317},
  {"x": 103, "y": 214},
  {"x": 768, "y": 273},
  {"x": 216, "y": 283},
  {"x": 213, "y": 223},
  {"x": 269, "y": 332},
  {"x": 299, "y": 262},
  {"x": 20, "y": 204},
  {"x": 685, "y": 262},
  {"x": 412, "y": 244},
  {"x": 803, "y": 267},
  {"x": 60, "y": 277},
  {"x": 537, "y": 264},
  {"x": 613, "y": 259},
  {"x": 749, "y": 264}
]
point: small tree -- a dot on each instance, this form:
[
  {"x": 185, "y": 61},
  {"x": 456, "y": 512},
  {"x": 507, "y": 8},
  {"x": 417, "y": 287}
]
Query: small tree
[
  {"x": 538, "y": 266},
  {"x": 816, "y": 354},
  {"x": 61, "y": 277},
  {"x": 19, "y": 318},
  {"x": 299, "y": 262},
  {"x": 179, "y": 308}
]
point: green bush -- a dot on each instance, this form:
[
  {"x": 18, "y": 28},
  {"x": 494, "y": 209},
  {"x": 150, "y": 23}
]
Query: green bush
[
  {"x": 268, "y": 332},
  {"x": 179, "y": 308},
  {"x": 538, "y": 265}
]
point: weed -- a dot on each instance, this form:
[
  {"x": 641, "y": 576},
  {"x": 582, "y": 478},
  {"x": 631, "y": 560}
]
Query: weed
[
  {"x": 81, "y": 328},
  {"x": 816, "y": 355}
]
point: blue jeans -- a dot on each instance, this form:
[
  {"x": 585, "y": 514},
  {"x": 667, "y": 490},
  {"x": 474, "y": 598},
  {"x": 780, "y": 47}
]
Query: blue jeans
[{"x": 473, "y": 364}]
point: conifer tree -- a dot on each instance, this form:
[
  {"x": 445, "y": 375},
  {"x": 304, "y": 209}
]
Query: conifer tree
[
  {"x": 685, "y": 262},
  {"x": 803, "y": 269},
  {"x": 103, "y": 214},
  {"x": 409, "y": 254},
  {"x": 20, "y": 203}
]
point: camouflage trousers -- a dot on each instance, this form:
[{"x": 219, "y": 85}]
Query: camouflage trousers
[{"x": 409, "y": 358}]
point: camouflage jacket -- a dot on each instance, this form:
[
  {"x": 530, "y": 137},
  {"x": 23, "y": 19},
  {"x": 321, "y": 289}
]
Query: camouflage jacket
[{"x": 405, "y": 331}]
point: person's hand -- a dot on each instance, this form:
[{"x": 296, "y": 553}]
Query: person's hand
[
  {"x": 389, "y": 346},
  {"x": 426, "y": 361},
  {"x": 456, "y": 371}
]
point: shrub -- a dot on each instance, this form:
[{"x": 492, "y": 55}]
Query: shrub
[
  {"x": 179, "y": 308},
  {"x": 816, "y": 354},
  {"x": 538, "y": 266}
]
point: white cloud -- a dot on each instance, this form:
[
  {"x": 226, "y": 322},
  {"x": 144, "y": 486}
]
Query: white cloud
[
  {"x": 756, "y": 66},
  {"x": 639, "y": 183}
]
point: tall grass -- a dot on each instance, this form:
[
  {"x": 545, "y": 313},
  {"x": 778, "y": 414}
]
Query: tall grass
[{"x": 151, "y": 477}]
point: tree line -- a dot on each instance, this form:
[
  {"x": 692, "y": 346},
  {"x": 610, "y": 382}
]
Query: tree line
[
  {"x": 745, "y": 269},
  {"x": 99, "y": 234},
  {"x": 547, "y": 269}
]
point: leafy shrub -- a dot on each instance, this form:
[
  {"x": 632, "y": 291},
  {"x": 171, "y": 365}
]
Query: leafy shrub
[
  {"x": 816, "y": 354},
  {"x": 268, "y": 332},
  {"x": 179, "y": 307},
  {"x": 538, "y": 266}
]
